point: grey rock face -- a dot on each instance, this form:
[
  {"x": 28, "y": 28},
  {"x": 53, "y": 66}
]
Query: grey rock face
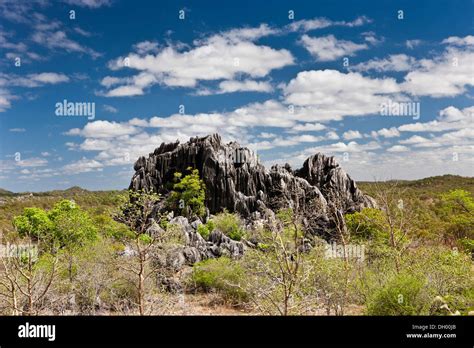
[
  {"x": 334, "y": 183},
  {"x": 196, "y": 248},
  {"x": 235, "y": 180}
]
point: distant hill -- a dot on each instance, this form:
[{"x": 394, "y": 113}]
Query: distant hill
[
  {"x": 442, "y": 183},
  {"x": 430, "y": 185},
  {"x": 6, "y": 192}
]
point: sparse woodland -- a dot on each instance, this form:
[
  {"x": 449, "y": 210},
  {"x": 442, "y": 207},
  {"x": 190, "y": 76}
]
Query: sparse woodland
[{"x": 81, "y": 252}]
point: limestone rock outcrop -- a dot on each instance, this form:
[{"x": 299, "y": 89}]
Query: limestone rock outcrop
[{"x": 236, "y": 180}]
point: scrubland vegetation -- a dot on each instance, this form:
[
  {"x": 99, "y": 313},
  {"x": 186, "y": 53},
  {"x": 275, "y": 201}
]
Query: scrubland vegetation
[{"x": 76, "y": 252}]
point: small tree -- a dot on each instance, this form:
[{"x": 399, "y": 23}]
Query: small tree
[
  {"x": 29, "y": 272},
  {"x": 72, "y": 229},
  {"x": 456, "y": 209},
  {"x": 137, "y": 215},
  {"x": 189, "y": 193},
  {"x": 278, "y": 273},
  {"x": 395, "y": 220}
]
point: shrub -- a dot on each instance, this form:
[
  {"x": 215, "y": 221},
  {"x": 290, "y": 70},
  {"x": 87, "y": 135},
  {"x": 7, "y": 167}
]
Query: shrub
[
  {"x": 203, "y": 230},
  {"x": 190, "y": 191},
  {"x": 447, "y": 271},
  {"x": 367, "y": 224},
  {"x": 404, "y": 294},
  {"x": 229, "y": 224},
  {"x": 222, "y": 275}
]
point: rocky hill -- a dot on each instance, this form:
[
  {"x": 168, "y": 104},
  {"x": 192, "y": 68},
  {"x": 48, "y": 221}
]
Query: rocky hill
[{"x": 237, "y": 181}]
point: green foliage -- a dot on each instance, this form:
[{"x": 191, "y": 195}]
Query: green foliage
[
  {"x": 108, "y": 227},
  {"x": 292, "y": 228},
  {"x": 223, "y": 275},
  {"x": 135, "y": 212},
  {"x": 72, "y": 227},
  {"x": 446, "y": 271},
  {"x": 145, "y": 239},
  {"x": 229, "y": 224},
  {"x": 64, "y": 226},
  {"x": 203, "y": 230},
  {"x": 402, "y": 295},
  {"x": 456, "y": 210},
  {"x": 367, "y": 224},
  {"x": 189, "y": 192},
  {"x": 34, "y": 222}
]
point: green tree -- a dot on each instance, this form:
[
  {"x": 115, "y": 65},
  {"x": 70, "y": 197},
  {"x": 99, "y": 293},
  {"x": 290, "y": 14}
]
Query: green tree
[
  {"x": 34, "y": 223},
  {"x": 279, "y": 275},
  {"x": 136, "y": 214},
  {"x": 189, "y": 193},
  {"x": 456, "y": 209},
  {"x": 72, "y": 229}
]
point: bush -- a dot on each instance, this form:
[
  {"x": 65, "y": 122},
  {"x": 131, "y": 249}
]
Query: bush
[
  {"x": 222, "y": 275},
  {"x": 203, "y": 230},
  {"x": 402, "y": 295},
  {"x": 229, "y": 224},
  {"x": 447, "y": 272},
  {"x": 367, "y": 224},
  {"x": 189, "y": 193}
]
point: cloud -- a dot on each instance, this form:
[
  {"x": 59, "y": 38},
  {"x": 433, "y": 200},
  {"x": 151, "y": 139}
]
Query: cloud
[
  {"x": 89, "y": 3},
  {"x": 411, "y": 44},
  {"x": 455, "y": 67},
  {"x": 8, "y": 81},
  {"x": 124, "y": 91},
  {"x": 331, "y": 135},
  {"x": 237, "y": 35},
  {"x": 333, "y": 95},
  {"x": 145, "y": 47},
  {"x": 386, "y": 133},
  {"x": 59, "y": 40},
  {"x": 222, "y": 56},
  {"x": 307, "y": 127},
  {"x": 8, "y": 45},
  {"x": 396, "y": 62},
  {"x": 32, "y": 80},
  {"x": 351, "y": 134},
  {"x": 82, "y": 32},
  {"x": 419, "y": 141},
  {"x": 83, "y": 165},
  {"x": 398, "y": 148},
  {"x": 265, "y": 135},
  {"x": 49, "y": 78},
  {"x": 450, "y": 118},
  {"x": 459, "y": 41},
  {"x": 104, "y": 129},
  {"x": 110, "y": 108},
  {"x": 372, "y": 38},
  {"x": 232, "y": 86},
  {"x": 329, "y": 48},
  {"x": 341, "y": 147},
  {"x": 32, "y": 162},
  {"x": 5, "y": 99},
  {"x": 17, "y": 130},
  {"x": 321, "y": 23},
  {"x": 279, "y": 141}
]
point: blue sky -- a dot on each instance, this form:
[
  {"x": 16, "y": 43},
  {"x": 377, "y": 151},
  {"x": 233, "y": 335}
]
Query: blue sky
[{"x": 288, "y": 80}]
